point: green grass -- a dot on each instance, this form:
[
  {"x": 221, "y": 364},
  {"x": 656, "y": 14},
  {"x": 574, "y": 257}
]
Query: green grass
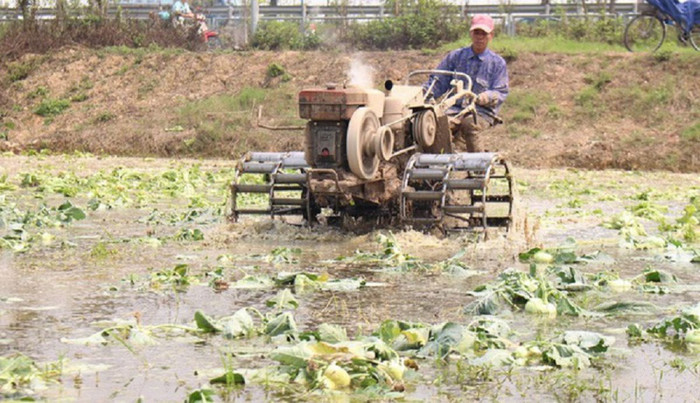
[
  {"x": 52, "y": 107},
  {"x": 39, "y": 92},
  {"x": 639, "y": 138},
  {"x": 518, "y": 44},
  {"x": 588, "y": 99},
  {"x": 524, "y": 106},
  {"x": 557, "y": 44},
  {"x": 551, "y": 45},
  {"x": 79, "y": 97},
  {"x": 516, "y": 131},
  {"x": 140, "y": 52},
  {"x": 692, "y": 133},
  {"x": 231, "y": 117},
  {"x": 20, "y": 70},
  {"x": 598, "y": 80},
  {"x": 647, "y": 102},
  {"x": 104, "y": 117},
  {"x": 244, "y": 100},
  {"x": 146, "y": 87}
]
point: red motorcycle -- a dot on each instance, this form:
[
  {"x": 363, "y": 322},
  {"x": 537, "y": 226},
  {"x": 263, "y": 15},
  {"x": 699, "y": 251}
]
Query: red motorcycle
[{"x": 209, "y": 36}]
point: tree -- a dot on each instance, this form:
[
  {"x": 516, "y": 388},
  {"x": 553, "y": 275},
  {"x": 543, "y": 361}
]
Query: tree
[
  {"x": 25, "y": 7},
  {"x": 61, "y": 11},
  {"x": 99, "y": 7}
]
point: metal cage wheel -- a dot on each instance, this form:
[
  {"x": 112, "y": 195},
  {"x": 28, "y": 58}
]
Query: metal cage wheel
[
  {"x": 644, "y": 33},
  {"x": 362, "y": 129}
]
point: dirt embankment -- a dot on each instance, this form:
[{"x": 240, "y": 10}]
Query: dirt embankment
[{"x": 588, "y": 111}]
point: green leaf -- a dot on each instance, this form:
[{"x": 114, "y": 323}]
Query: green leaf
[
  {"x": 565, "y": 258},
  {"x": 527, "y": 256},
  {"x": 692, "y": 314},
  {"x": 282, "y": 323},
  {"x": 634, "y": 331},
  {"x": 296, "y": 356},
  {"x": 564, "y": 356},
  {"x": 68, "y": 212},
  {"x": 489, "y": 304},
  {"x": 444, "y": 338},
  {"x": 566, "y": 307},
  {"x": 253, "y": 282},
  {"x": 92, "y": 340},
  {"x": 659, "y": 276},
  {"x": 332, "y": 333},
  {"x": 626, "y": 307},
  {"x": 228, "y": 379},
  {"x": 411, "y": 339},
  {"x": 381, "y": 350},
  {"x": 388, "y": 331},
  {"x": 188, "y": 234},
  {"x": 201, "y": 396},
  {"x": 590, "y": 342},
  {"x": 304, "y": 284},
  {"x": 240, "y": 324},
  {"x": 494, "y": 358},
  {"x": 569, "y": 275},
  {"x": 181, "y": 269},
  {"x": 490, "y": 325},
  {"x": 283, "y": 300},
  {"x": 205, "y": 323},
  {"x": 287, "y": 278}
]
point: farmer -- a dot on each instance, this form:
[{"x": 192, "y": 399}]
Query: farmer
[{"x": 490, "y": 82}]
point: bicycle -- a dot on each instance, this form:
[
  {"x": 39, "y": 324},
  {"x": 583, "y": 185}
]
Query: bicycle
[{"x": 647, "y": 31}]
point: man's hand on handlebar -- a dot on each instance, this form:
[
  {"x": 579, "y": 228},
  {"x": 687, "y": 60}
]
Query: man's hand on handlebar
[{"x": 483, "y": 99}]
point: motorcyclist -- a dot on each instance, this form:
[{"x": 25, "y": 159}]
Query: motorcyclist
[{"x": 181, "y": 11}]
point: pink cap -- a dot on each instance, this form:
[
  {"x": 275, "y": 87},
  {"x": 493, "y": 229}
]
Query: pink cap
[{"x": 483, "y": 22}]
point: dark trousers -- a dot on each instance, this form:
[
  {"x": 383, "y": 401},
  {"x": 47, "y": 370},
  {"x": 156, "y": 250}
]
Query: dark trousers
[{"x": 466, "y": 132}]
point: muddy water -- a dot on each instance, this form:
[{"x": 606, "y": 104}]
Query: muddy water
[{"x": 70, "y": 288}]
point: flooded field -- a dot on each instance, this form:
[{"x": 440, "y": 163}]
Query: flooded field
[{"x": 122, "y": 279}]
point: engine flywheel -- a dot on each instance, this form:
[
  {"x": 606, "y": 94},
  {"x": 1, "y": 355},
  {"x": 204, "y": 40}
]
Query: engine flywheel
[{"x": 362, "y": 156}]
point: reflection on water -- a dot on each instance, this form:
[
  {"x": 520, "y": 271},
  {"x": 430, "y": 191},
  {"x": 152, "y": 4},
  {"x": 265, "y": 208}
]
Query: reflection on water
[{"x": 61, "y": 290}]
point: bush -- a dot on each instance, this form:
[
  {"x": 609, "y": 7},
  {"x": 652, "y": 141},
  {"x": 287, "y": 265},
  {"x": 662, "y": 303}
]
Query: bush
[
  {"x": 39, "y": 37},
  {"x": 595, "y": 28},
  {"x": 274, "y": 70},
  {"x": 52, "y": 107},
  {"x": 19, "y": 71},
  {"x": 427, "y": 23},
  {"x": 283, "y": 35}
]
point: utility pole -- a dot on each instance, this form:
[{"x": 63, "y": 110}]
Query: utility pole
[{"x": 254, "y": 16}]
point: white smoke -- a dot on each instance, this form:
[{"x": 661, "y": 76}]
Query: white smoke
[{"x": 360, "y": 74}]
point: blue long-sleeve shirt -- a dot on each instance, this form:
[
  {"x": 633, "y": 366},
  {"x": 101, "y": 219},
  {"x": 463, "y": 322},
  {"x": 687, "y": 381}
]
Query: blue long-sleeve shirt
[{"x": 488, "y": 73}]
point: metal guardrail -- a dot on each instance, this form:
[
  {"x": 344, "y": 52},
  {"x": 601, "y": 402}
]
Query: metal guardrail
[{"x": 217, "y": 14}]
